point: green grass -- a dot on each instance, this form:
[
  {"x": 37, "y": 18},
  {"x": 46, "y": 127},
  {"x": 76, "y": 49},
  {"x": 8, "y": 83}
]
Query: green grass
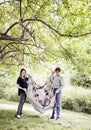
[{"x": 32, "y": 120}]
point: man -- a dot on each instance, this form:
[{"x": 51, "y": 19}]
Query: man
[{"x": 57, "y": 89}]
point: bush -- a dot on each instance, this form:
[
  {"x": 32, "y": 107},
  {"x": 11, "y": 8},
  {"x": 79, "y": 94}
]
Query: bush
[
  {"x": 14, "y": 97},
  {"x": 1, "y": 93},
  {"x": 79, "y": 79},
  {"x": 3, "y": 87},
  {"x": 77, "y": 99}
]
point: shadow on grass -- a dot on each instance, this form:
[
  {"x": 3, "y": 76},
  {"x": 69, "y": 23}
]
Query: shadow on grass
[{"x": 33, "y": 116}]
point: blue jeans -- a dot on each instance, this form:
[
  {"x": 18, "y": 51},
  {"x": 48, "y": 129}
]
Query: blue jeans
[
  {"x": 21, "y": 103},
  {"x": 58, "y": 105}
]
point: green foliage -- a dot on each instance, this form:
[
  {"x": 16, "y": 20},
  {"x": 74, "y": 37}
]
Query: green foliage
[
  {"x": 77, "y": 99},
  {"x": 60, "y": 34},
  {"x": 7, "y": 81},
  {"x": 2, "y": 94},
  {"x": 70, "y": 18},
  {"x": 81, "y": 80}
]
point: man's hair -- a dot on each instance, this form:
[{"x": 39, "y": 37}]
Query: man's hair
[{"x": 57, "y": 69}]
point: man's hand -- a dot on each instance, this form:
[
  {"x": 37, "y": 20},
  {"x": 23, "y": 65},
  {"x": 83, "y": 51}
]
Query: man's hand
[
  {"x": 53, "y": 72},
  {"x": 57, "y": 91}
]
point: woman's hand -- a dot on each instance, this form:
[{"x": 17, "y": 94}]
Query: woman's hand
[
  {"x": 27, "y": 76},
  {"x": 25, "y": 90}
]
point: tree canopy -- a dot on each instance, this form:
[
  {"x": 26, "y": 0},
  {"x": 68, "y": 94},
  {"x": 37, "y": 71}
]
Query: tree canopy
[{"x": 46, "y": 31}]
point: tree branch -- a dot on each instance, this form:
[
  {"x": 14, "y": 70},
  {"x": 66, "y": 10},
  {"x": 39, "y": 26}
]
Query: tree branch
[
  {"x": 24, "y": 30},
  {"x": 5, "y": 54},
  {"x": 11, "y": 38},
  {"x": 21, "y": 10},
  {"x": 10, "y": 27},
  {"x": 2, "y": 49},
  {"x": 49, "y": 26}
]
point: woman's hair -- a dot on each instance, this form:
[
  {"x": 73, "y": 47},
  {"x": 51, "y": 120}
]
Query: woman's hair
[
  {"x": 21, "y": 71},
  {"x": 58, "y": 69}
]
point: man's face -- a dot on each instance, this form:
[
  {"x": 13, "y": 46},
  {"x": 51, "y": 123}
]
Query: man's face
[{"x": 57, "y": 72}]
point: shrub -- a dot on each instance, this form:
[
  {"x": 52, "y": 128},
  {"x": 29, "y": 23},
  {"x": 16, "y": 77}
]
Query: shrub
[
  {"x": 79, "y": 79},
  {"x": 77, "y": 99}
]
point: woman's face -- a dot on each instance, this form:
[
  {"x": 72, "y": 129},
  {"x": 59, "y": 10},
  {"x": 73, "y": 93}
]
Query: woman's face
[{"x": 23, "y": 73}]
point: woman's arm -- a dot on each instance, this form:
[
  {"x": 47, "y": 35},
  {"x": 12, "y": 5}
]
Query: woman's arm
[{"x": 24, "y": 89}]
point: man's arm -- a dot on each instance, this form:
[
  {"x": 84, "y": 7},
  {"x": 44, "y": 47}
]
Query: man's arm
[
  {"x": 62, "y": 81},
  {"x": 61, "y": 85}
]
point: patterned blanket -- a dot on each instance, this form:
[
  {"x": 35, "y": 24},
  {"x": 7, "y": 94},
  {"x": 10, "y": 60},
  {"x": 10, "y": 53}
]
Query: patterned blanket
[{"x": 41, "y": 97}]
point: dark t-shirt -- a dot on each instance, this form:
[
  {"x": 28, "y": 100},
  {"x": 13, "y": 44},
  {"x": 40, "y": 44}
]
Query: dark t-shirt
[{"x": 22, "y": 83}]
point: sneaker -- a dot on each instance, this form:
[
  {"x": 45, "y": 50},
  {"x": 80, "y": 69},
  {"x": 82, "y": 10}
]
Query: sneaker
[
  {"x": 52, "y": 117},
  {"x": 58, "y": 118},
  {"x": 21, "y": 115},
  {"x": 18, "y": 116}
]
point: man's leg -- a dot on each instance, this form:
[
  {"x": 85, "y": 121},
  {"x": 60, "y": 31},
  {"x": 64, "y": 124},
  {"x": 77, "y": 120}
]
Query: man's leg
[
  {"x": 58, "y": 104},
  {"x": 54, "y": 108},
  {"x": 53, "y": 113},
  {"x": 21, "y": 102}
]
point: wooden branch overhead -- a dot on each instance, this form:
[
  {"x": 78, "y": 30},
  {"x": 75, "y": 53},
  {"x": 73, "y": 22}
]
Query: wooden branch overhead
[
  {"x": 12, "y": 38},
  {"x": 4, "y": 36}
]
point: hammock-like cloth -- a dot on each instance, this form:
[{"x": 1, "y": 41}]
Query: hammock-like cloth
[{"x": 41, "y": 97}]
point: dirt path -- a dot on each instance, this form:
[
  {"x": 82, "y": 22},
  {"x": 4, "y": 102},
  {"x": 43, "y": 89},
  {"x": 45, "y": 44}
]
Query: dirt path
[{"x": 13, "y": 106}]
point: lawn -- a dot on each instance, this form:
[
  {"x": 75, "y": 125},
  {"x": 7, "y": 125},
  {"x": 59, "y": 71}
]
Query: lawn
[{"x": 32, "y": 120}]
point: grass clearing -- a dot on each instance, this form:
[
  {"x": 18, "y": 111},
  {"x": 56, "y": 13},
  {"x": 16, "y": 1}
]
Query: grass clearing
[{"x": 32, "y": 120}]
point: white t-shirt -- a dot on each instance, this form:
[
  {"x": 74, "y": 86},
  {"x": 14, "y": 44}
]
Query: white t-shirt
[{"x": 58, "y": 82}]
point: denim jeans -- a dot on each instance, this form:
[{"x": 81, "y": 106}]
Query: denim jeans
[
  {"x": 21, "y": 103},
  {"x": 58, "y": 105}
]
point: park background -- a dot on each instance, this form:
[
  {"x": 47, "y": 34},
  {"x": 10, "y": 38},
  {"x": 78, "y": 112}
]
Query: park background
[{"x": 40, "y": 35}]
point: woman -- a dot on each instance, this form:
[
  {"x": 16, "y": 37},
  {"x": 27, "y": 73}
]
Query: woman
[{"x": 22, "y": 88}]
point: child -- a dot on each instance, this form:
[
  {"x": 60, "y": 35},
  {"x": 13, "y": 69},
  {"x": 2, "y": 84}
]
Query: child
[
  {"x": 47, "y": 100},
  {"x": 57, "y": 90}
]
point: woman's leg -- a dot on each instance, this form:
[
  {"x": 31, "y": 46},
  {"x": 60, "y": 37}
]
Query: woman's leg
[{"x": 21, "y": 102}]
